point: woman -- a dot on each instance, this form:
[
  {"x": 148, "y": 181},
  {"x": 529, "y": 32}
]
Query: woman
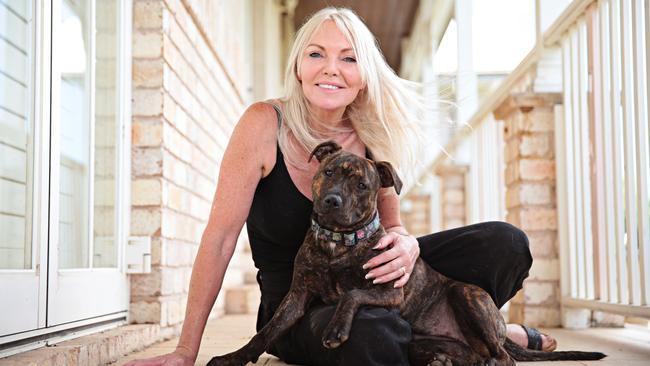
[{"x": 338, "y": 87}]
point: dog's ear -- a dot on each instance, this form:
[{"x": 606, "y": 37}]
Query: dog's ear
[
  {"x": 388, "y": 176},
  {"x": 324, "y": 149}
]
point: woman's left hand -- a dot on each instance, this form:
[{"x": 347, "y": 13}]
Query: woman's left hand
[{"x": 397, "y": 262}]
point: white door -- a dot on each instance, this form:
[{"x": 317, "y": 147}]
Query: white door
[
  {"x": 87, "y": 205},
  {"x": 64, "y": 172},
  {"x": 20, "y": 274}
]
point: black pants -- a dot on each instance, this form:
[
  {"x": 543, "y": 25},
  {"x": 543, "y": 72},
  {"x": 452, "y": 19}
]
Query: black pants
[{"x": 492, "y": 255}]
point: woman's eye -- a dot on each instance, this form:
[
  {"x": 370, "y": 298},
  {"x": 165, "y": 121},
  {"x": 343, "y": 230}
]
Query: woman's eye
[
  {"x": 362, "y": 186},
  {"x": 329, "y": 172},
  {"x": 315, "y": 55},
  {"x": 350, "y": 59}
]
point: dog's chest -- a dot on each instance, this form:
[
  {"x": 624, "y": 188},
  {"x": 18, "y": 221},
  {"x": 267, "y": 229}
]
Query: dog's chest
[{"x": 345, "y": 270}]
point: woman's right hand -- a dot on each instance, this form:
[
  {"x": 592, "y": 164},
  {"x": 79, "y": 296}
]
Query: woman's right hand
[{"x": 176, "y": 358}]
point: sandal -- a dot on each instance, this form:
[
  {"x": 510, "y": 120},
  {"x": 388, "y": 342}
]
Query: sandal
[{"x": 535, "y": 339}]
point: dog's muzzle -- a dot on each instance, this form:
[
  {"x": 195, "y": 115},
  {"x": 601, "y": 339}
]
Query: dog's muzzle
[{"x": 332, "y": 201}]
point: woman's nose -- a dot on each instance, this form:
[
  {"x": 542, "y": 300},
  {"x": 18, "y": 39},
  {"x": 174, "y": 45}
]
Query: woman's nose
[{"x": 331, "y": 67}]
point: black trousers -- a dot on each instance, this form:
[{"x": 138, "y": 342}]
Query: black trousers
[{"x": 492, "y": 255}]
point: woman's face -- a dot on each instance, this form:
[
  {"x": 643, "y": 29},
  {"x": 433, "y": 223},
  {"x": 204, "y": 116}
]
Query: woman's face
[{"x": 328, "y": 72}]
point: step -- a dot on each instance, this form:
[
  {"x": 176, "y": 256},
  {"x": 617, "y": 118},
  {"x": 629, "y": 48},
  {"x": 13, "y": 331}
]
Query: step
[
  {"x": 95, "y": 349},
  {"x": 243, "y": 299}
]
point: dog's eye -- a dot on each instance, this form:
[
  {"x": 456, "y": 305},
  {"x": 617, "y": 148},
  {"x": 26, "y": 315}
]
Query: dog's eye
[
  {"x": 361, "y": 186},
  {"x": 329, "y": 172}
]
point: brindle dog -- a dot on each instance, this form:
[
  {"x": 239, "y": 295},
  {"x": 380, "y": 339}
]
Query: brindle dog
[{"x": 453, "y": 323}]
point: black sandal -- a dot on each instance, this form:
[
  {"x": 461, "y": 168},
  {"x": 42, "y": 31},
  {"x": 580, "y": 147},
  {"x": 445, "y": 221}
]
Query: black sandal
[{"x": 534, "y": 338}]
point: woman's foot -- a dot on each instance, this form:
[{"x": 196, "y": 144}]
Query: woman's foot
[{"x": 521, "y": 335}]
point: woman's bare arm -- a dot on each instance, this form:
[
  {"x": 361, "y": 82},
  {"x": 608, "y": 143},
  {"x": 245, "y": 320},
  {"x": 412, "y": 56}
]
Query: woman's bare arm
[{"x": 248, "y": 157}]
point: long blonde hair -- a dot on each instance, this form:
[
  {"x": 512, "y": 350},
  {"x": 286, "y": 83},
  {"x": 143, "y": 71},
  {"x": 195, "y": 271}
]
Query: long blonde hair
[{"x": 387, "y": 113}]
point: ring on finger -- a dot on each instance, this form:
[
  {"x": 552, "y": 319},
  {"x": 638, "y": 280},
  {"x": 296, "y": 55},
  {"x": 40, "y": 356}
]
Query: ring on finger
[{"x": 403, "y": 269}]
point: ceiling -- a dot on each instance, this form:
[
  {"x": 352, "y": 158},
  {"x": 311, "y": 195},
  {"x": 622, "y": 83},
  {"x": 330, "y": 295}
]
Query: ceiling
[{"x": 389, "y": 20}]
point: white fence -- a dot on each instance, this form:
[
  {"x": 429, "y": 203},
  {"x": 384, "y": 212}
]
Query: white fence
[{"x": 602, "y": 155}]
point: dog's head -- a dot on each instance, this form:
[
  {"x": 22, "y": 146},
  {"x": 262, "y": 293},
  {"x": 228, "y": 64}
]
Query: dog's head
[{"x": 345, "y": 187}]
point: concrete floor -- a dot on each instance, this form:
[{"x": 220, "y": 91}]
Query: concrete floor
[{"x": 625, "y": 347}]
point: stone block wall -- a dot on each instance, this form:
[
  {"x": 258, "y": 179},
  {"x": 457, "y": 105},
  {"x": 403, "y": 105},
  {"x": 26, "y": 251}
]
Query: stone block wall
[
  {"x": 437, "y": 203},
  {"x": 452, "y": 196},
  {"x": 530, "y": 202},
  {"x": 415, "y": 211},
  {"x": 187, "y": 96}
]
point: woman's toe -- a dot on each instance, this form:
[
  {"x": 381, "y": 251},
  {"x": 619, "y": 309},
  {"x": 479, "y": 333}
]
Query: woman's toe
[{"x": 548, "y": 343}]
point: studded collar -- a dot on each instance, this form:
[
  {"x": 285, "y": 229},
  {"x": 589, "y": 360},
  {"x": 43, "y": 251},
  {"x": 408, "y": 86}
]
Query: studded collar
[{"x": 347, "y": 238}]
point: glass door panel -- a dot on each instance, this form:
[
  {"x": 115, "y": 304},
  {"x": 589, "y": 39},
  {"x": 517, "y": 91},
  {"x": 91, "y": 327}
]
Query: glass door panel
[
  {"x": 16, "y": 135},
  {"x": 85, "y": 278},
  {"x": 106, "y": 132},
  {"x": 74, "y": 180},
  {"x": 85, "y": 95},
  {"x": 18, "y": 312}
]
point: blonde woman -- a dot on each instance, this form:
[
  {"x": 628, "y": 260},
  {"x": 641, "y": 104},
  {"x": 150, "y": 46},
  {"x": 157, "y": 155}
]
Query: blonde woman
[{"x": 338, "y": 87}]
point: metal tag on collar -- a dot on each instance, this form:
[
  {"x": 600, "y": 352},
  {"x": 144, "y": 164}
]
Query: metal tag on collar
[{"x": 349, "y": 240}]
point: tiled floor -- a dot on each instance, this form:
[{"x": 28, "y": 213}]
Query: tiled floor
[
  {"x": 624, "y": 347},
  {"x": 221, "y": 336}
]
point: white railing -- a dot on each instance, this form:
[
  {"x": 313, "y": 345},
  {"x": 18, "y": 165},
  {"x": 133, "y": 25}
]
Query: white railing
[
  {"x": 478, "y": 146},
  {"x": 486, "y": 173},
  {"x": 602, "y": 156}
]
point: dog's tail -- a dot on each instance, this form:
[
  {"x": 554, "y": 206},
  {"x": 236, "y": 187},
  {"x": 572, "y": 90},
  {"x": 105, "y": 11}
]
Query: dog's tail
[{"x": 520, "y": 353}]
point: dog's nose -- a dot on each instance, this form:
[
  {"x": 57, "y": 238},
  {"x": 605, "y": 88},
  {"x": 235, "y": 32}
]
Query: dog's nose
[{"x": 333, "y": 201}]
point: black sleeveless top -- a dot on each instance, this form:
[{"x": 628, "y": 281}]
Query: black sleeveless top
[{"x": 277, "y": 223}]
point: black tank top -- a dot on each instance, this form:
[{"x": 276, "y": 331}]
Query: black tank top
[{"x": 277, "y": 223}]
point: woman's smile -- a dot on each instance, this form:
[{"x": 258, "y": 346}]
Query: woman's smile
[{"x": 329, "y": 87}]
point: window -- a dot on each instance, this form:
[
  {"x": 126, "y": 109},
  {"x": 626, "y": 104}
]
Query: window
[
  {"x": 16, "y": 135},
  {"x": 88, "y": 111}
]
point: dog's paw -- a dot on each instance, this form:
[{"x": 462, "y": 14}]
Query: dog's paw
[
  {"x": 231, "y": 359},
  {"x": 440, "y": 360},
  {"x": 334, "y": 336},
  {"x": 334, "y": 340}
]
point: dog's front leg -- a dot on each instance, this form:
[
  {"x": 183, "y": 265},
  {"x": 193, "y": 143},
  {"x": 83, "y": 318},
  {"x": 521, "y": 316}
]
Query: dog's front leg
[
  {"x": 288, "y": 313},
  {"x": 338, "y": 329}
]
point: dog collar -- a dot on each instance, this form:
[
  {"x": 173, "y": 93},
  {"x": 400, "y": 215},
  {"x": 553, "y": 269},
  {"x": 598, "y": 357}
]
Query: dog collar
[{"x": 347, "y": 238}]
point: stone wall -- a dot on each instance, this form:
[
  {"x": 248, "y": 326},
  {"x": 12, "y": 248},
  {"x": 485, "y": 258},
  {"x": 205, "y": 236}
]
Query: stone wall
[
  {"x": 437, "y": 203},
  {"x": 453, "y": 203},
  {"x": 416, "y": 211},
  {"x": 186, "y": 101},
  {"x": 530, "y": 201}
]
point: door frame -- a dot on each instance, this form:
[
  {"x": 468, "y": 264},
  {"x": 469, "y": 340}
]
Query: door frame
[{"x": 46, "y": 329}]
